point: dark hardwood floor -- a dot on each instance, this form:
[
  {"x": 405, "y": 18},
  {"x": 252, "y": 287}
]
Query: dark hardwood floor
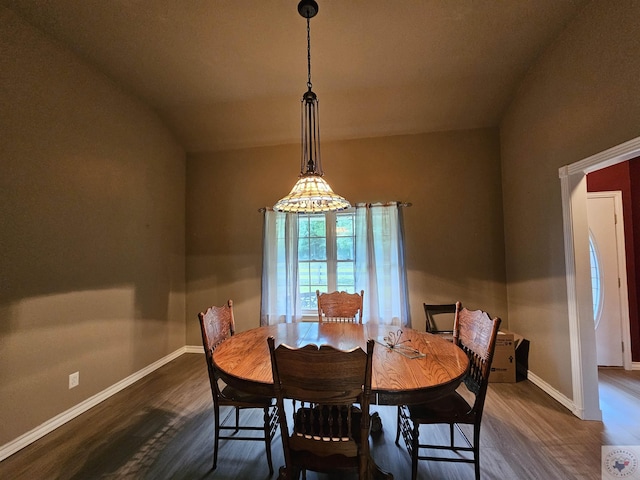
[{"x": 161, "y": 428}]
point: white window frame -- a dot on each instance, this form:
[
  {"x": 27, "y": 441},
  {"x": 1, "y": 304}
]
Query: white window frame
[{"x": 331, "y": 249}]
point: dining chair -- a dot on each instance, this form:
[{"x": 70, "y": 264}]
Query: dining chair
[
  {"x": 217, "y": 324},
  {"x": 340, "y": 307},
  {"x": 440, "y": 318},
  {"x": 323, "y": 431},
  {"x": 475, "y": 333}
]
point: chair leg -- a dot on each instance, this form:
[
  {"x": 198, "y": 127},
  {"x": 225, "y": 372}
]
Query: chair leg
[
  {"x": 451, "y": 433},
  {"x": 267, "y": 438},
  {"x": 410, "y": 433},
  {"x": 237, "y": 419},
  {"x": 290, "y": 473},
  {"x": 216, "y": 435},
  {"x": 414, "y": 451},
  {"x": 476, "y": 449}
]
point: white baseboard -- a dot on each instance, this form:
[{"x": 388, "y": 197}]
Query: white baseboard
[
  {"x": 22, "y": 441},
  {"x": 553, "y": 393},
  {"x": 194, "y": 349}
]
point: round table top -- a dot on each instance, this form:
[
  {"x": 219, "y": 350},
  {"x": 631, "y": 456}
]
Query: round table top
[{"x": 243, "y": 360}]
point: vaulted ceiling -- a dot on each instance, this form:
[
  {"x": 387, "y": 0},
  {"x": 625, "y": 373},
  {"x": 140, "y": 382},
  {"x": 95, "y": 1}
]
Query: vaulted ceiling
[{"x": 230, "y": 73}]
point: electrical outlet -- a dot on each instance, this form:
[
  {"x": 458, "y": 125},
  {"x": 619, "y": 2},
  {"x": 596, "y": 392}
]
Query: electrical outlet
[{"x": 74, "y": 380}]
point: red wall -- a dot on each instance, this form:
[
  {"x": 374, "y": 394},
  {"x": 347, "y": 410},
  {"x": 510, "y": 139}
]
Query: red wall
[
  {"x": 634, "y": 171},
  {"x": 625, "y": 176}
]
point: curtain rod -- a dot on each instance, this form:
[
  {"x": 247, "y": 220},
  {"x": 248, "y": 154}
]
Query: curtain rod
[{"x": 399, "y": 204}]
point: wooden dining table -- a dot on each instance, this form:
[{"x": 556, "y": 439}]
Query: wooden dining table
[{"x": 421, "y": 366}]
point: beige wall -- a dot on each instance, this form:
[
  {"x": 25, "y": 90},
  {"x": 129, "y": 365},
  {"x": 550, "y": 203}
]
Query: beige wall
[
  {"x": 454, "y": 232},
  {"x": 581, "y": 98},
  {"x": 92, "y": 231},
  {"x": 92, "y": 204}
]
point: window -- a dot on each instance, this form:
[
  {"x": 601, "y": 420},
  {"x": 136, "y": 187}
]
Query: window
[
  {"x": 596, "y": 289},
  {"x": 352, "y": 250},
  {"x": 326, "y": 256}
]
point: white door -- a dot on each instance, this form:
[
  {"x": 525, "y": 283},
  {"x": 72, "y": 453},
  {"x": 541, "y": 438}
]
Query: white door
[{"x": 608, "y": 267}]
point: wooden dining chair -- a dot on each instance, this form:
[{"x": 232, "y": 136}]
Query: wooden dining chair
[
  {"x": 217, "y": 324},
  {"x": 324, "y": 431},
  {"x": 475, "y": 333},
  {"x": 340, "y": 307},
  {"x": 440, "y": 318}
]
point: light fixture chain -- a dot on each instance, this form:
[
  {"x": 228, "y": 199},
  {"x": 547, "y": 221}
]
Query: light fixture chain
[{"x": 308, "y": 53}]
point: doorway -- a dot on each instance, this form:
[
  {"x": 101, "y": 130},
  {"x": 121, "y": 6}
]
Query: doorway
[
  {"x": 584, "y": 369},
  {"x": 609, "y": 279}
]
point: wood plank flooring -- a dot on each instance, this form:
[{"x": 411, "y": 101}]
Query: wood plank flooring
[{"x": 161, "y": 428}]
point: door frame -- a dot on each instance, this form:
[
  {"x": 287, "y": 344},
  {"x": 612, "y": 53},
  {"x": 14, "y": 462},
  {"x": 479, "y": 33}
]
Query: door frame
[
  {"x": 623, "y": 291},
  {"x": 573, "y": 184}
]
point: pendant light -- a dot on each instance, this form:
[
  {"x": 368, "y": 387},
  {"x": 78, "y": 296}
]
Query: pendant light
[{"x": 311, "y": 193}]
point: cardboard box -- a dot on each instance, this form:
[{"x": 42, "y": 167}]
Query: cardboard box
[
  {"x": 522, "y": 360},
  {"x": 503, "y": 367}
]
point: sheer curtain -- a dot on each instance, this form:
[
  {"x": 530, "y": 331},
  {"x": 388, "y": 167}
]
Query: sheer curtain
[
  {"x": 280, "y": 269},
  {"x": 380, "y": 268},
  {"x": 379, "y": 258}
]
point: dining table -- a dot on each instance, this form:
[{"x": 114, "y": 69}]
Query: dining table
[{"x": 408, "y": 367}]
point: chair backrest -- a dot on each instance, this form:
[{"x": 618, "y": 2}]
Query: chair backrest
[
  {"x": 323, "y": 383},
  {"x": 475, "y": 332},
  {"x": 441, "y": 318},
  {"x": 216, "y": 324},
  {"x": 340, "y": 307}
]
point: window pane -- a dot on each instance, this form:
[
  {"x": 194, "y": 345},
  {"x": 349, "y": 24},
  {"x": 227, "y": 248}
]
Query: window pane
[
  {"x": 346, "y": 276},
  {"x": 344, "y": 224},
  {"x": 318, "y": 273},
  {"x": 596, "y": 289},
  {"x": 303, "y": 226},
  {"x": 322, "y": 288},
  {"x": 303, "y": 249},
  {"x": 345, "y": 248},
  {"x": 318, "y": 249},
  {"x": 308, "y": 298},
  {"x": 304, "y": 275},
  {"x": 317, "y": 226}
]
